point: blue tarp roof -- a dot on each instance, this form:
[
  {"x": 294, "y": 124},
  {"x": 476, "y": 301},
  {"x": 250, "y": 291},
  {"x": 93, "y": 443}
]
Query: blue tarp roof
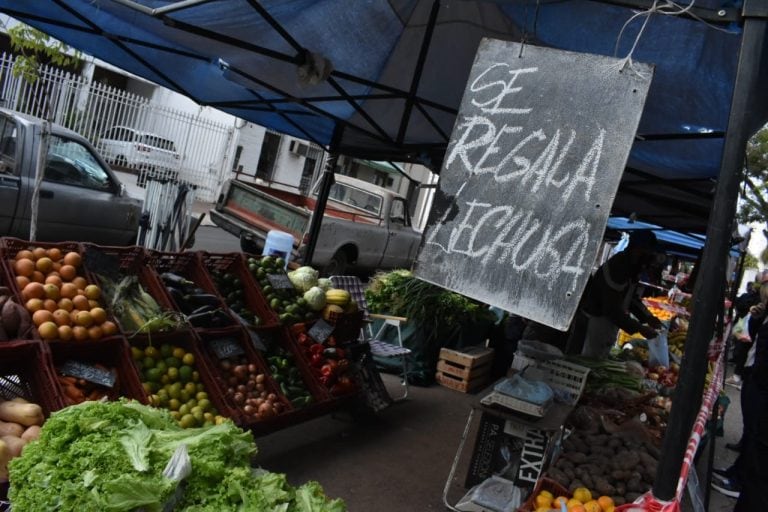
[
  {"x": 673, "y": 242},
  {"x": 399, "y": 68}
]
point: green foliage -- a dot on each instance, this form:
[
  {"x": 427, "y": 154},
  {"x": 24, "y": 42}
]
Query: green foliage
[
  {"x": 750, "y": 261},
  {"x": 33, "y": 45},
  {"x": 753, "y": 206}
]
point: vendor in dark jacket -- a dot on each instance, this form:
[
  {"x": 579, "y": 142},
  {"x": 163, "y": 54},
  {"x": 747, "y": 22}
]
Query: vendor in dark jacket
[
  {"x": 609, "y": 300},
  {"x": 754, "y": 453}
]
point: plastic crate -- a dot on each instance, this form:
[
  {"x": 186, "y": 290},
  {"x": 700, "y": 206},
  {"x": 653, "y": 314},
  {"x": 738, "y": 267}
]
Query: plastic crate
[
  {"x": 132, "y": 260},
  {"x": 566, "y": 379},
  {"x": 252, "y": 356},
  {"x": 26, "y": 372},
  {"x": 111, "y": 352},
  {"x": 542, "y": 484},
  {"x": 11, "y": 246},
  {"x": 234, "y": 263},
  {"x": 189, "y": 266},
  {"x": 190, "y": 343}
]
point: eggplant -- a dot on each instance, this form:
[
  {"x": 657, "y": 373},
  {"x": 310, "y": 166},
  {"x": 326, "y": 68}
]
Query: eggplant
[
  {"x": 202, "y": 299},
  {"x": 175, "y": 279}
]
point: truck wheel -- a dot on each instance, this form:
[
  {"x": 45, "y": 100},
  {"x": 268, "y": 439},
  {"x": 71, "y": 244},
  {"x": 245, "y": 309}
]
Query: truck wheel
[{"x": 337, "y": 265}]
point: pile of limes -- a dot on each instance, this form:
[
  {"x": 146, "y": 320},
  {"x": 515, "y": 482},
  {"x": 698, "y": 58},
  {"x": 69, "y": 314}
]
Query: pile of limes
[{"x": 171, "y": 381}]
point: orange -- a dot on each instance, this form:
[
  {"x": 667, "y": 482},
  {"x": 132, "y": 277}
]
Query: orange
[
  {"x": 66, "y": 333},
  {"x": 99, "y": 315},
  {"x": 560, "y": 500},
  {"x": 592, "y": 506},
  {"x": 605, "y": 502},
  {"x": 72, "y": 258},
  {"x": 50, "y": 305},
  {"x": 573, "y": 502},
  {"x": 54, "y": 279},
  {"x": 22, "y": 281},
  {"x": 38, "y": 252},
  {"x": 48, "y": 331},
  {"x": 94, "y": 304},
  {"x": 24, "y": 255},
  {"x": 80, "y": 282},
  {"x": 93, "y": 292},
  {"x": 543, "y": 501},
  {"x": 44, "y": 264},
  {"x": 81, "y": 302},
  {"x": 41, "y": 316},
  {"x": 95, "y": 332},
  {"x": 84, "y": 318},
  {"x": 68, "y": 290},
  {"x": 109, "y": 328},
  {"x": 54, "y": 253},
  {"x": 38, "y": 277},
  {"x": 66, "y": 304},
  {"x": 33, "y": 291},
  {"x": 68, "y": 272},
  {"x": 577, "y": 508},
  {"x": 33, "y": 305},
  {"x": 61, "y": 317},
  {"x": 52, "y": 291},
  {"x": 56, "y": 267},
  {"x": 80, "y": 333},
  {"x": 582, "y": 494},
  {"x": 24, "y": 267}
]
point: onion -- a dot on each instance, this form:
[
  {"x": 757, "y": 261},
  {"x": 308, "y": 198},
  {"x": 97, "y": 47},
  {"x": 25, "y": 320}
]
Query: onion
[
  {"x": 250, "y": 385},
  {"x": 232, "y": 381},
  {"x": 226, "y": 365},
  {"x": 240, "y": 371},
  {"x": 266, "y": 410},
  {"x": 252, "y": 368},
  {"x": 241, "y": 388},
  {"x": 249, "y": 409},
  {"x": 260, "y": 378},
  {"x": 239, "y": 398},
  {"x": 264, "y": 394},
  {"x": 259, "y": 387},
  {"x": 271, "y": 397}
]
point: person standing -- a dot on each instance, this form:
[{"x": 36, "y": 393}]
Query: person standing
[{"x": 609, "y": 300}]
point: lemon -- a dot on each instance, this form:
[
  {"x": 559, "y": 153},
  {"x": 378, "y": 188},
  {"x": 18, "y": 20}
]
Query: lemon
[
  {"x": 185, "y": 373},
  {"x": 208, "y": 416},
  {"x": 201, "y": 395},
  {"x": 151, "y": 352},
  {"x": 174, "y": 404},
  {"x": 195, "y": 376},
  {"x": 148, "y": 362},
  {"x": 204, "y": 404},
  {"x": 190, "y": 388},
  {"x": 186, "y": 421},
  {"x": 166, "y": 350},
  {"x": 188, "y": 359},
  {"x": 582, "y": 494},
  {"x": 178, "y": 353},
  {"x": 184, "y": 409},
  {"x": 137, "y": 354},
  {"x": 173, "y": 374}
]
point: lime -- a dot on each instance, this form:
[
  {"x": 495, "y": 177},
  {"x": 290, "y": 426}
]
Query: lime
[
  {"x": 174, "y": 404},
  {"x": 184, "y": 395},
  {"x": 275, "y": 303},
  {"x": 151, "y": 352},
  {"x": 192, "y": 403},
  {"x": 190, "y": 388},
  {"x": 137, "y": 354},
  {"x": 208, "y": 423},
  {"x": 185, "y": 373},
  {"x": 166, "y": 350},
  {"x": 195, "y": 376},
  {"x": 173, "y": 362},
  {"x": 204, "y": 404},
  {"x": 187, "y": 421},
  {"x": 162, "y": 393},
  {"x": 200, "y": 388},
  {"x": 174, "y": 390},
  {"x": 154, "y": 400},
  {"x": 175, "y": 415},
  {"x": 147, "y": 387},
  {"x": 148, "y": 362},
  {"x": 165, "y": 379},
  {"x": 208, "y": 416},
  {"x": 153, "y": 375},
  {"x": 183, "y": 409},
  {"x": 178, "y": 352},
  {"x": 198, "y": 415},
  {"x": 188, "y": 359},
  {"x": 160, "y": 365},
  {"x": 173, "y": 374},
  {"x": 201, "y": 395}
]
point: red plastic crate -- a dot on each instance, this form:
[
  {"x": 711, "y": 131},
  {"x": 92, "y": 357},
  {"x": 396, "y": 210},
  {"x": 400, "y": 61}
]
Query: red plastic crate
[
  {"x": 293, "y": 335},
  {"x": 112, "y": 352},
  {"x": 189, "y": 266},
  {"x": 10, "y": 246},
  {"x": 133, "y": 260},
  {"x": 189, "y": 342},
  {"x": 288, "y": 342},
  {"x": 234, "y": 263},
  {"x": 25, "y": 372},
  {"x": 252, "y": 356}
]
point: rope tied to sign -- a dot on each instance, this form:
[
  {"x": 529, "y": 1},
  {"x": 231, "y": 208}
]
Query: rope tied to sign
[
  {"x": 524, "y": 36},
  {"x": 663, "y": 7}
]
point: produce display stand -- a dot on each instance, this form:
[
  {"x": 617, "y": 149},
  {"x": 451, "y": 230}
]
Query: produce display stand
[{"x": 124, "y": 352}]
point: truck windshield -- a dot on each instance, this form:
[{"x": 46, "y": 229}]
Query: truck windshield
[
  {"x": 351, "y": 196},
  {"x": 71, "y": 163}
]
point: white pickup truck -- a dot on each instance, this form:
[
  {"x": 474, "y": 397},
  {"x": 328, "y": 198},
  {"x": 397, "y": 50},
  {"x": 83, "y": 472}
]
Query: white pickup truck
[{"x": 365, "y": 227}]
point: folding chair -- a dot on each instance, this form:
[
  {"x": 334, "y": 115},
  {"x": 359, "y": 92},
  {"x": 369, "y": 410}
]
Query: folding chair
[{"x": 379, "y": 347}]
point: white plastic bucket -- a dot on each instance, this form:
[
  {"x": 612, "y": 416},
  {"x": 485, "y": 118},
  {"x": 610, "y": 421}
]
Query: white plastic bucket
[{"x": 280, "y": 244}]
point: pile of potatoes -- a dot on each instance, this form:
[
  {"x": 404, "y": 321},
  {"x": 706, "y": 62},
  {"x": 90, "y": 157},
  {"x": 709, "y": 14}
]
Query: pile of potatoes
[
  {"x": 606, "y": 464},
  {"x": 20, "y": 423}
]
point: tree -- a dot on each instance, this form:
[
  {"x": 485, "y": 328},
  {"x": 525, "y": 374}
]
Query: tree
[
  {"x": 750, "y": 261},
  {"x": 33, "y": 45},
  {"x": 753, "y": 204}
]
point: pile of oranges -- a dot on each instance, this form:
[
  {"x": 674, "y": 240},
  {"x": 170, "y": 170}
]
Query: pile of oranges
[
  {"x": 62, "y": 303},
  {"x": 581, "y": 501}
]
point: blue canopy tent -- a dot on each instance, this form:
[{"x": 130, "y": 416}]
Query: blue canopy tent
[{"x": 382, "y": 80}]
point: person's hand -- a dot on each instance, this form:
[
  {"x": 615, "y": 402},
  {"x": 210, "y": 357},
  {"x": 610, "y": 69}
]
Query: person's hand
[
  {"x": 655, "y": 323},
  {"x": 648, "y": 332},
  {"x": 757, "y": 310}
]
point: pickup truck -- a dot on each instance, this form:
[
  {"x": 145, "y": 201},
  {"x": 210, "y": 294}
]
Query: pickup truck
[
  {"x": 365, "y": 227},
  {"x": 80, "y": 198}
]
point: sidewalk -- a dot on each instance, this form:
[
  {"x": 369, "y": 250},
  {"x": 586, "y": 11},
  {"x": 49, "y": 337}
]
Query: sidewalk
[{"x": 129, "y": 180}]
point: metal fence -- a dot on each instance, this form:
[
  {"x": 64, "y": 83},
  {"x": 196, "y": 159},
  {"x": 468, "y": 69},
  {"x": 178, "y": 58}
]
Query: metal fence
[{"x": 157, "y": 140}]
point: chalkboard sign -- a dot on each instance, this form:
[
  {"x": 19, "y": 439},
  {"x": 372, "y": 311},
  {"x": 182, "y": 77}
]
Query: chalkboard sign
[
  {"x": 535, "y": 159},
  {"x": 280, "y": 282},
  {"x": 224, "y": 348},
  {"x": 320, "y": 331},
  {"x": 88, "y": 372}
]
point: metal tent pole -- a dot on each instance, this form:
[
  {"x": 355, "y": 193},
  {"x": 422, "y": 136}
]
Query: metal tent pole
[
  {"x": 708, "y": 299},
  {"x": 322, "y": 195}
]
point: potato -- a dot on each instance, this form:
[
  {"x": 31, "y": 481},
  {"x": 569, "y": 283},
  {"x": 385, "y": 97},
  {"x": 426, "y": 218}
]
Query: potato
[
  {"x": 31, "y": 434},
  {"x": 10, "y": 429},
  {"x": 618, "y": 500},
  {"x": 15, "y": 445}
]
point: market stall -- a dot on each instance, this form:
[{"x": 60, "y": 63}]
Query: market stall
[{"x": 209, "y": 339}]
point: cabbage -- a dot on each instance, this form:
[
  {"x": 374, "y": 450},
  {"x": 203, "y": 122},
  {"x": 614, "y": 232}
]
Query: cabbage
[
  {"x": 303, "y": 278},
  {"x": 315, "y": 298},
  {"x": 325, "y": 283}
]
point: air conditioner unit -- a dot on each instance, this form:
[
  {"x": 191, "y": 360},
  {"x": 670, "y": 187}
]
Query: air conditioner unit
[{"x": 297, "y": 148}]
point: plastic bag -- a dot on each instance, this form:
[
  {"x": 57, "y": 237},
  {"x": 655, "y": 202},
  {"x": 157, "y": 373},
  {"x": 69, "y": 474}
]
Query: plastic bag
[{"x": 658, "y": 350}]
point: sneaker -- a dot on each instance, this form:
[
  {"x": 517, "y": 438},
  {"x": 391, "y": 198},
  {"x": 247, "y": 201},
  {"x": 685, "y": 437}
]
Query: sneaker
[
  {"x": 734, "y": 380},
  {"x": 726, "y": 486}
]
